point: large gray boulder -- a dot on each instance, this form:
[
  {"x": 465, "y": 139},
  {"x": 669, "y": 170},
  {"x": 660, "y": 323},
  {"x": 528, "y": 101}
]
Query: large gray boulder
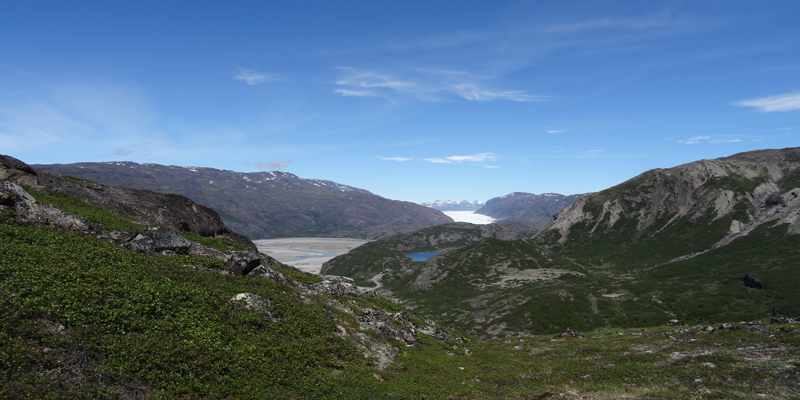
[
  {"x": 159, "y": 241},
  {"x": 241, "y": 262},
  {"x": 269, "y": 273},
  {"x": 33, "y": 213},
  {"x": 11, "y": 194}
]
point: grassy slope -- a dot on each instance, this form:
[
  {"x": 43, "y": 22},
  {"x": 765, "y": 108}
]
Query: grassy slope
[
  {"x": 707, "y": 288},
  {"x": 154, "y": 321},
  {"x": 83, "y": 319}
]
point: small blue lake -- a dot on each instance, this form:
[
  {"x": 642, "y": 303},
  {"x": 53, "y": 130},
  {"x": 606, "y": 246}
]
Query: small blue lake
[{"x": 421, "y": 256}]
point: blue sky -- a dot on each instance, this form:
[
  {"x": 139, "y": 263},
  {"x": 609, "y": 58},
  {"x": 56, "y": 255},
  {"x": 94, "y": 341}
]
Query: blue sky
[{"x": 413, "y": 101}]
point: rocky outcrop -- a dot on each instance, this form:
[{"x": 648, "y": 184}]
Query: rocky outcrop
[
  {"x": 268, "y": 273},
  {"x": 258, "y": 304},
  {"x": 150, "y": 208},
  {"x": 753, "y": 189},
  {"x": 534, "y": 210},
  {"x": 30, "y": 212},
  {"x": 339, "y": 286},
  {"x": 36, "y": 214},
  {"x": 268, "y": 204},
  {"x": 241, "y": 262},
  {"x": 158, "y": 241}
]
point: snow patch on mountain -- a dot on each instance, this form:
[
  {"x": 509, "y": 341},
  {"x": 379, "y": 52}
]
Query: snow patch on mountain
[{"x": 454, "y": 205}]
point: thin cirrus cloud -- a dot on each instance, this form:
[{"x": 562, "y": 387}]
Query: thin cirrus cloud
[
  {"x": 473, "y": 158},
  {"x": 707, "y": 139},
  {"x": 253, "y": 77},
  {"x": 396, "y": 158},
  {"x": 784, "y": 102},
  {"x": 355, "y": 93},
  {"x": 424, "y": 84}
]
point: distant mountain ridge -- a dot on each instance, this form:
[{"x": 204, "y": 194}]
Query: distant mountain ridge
[
  {"x": 454, "y": 205},
  {"x": 702, "y": 242},
  {"x": 268, "y": 204},
  {"x": 534, "y": 210}
]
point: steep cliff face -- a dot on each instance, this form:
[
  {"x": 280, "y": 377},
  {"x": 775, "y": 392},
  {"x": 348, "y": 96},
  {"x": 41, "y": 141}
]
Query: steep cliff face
[
  {"x": 728, "y": 197},
  {"x": 268, "y": 204}
]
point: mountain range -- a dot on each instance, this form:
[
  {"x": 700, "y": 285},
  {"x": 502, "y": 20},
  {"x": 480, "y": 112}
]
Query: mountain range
[
  {"x": 702, "y": 242},
  {"x": 268, "y": 204},
  {"x": 534, "y": 210},
  {"x": 454, "y": 205},
  {"x": 111, "y": 292}
]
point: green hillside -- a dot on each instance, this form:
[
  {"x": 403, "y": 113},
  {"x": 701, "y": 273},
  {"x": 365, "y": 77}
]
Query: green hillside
[{"x": 673, "y": 243}]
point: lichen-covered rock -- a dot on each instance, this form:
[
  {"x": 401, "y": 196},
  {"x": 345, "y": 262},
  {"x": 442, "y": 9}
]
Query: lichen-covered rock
[
  {"x": 269, "y": 273},
  {"x": 256, "y": 303},
  {"x": 241, "y": 262},
  {"x": 11, "y": 194},
  {"x": 784, "y": 320},
  {"x": 117, "y": 237},
  {"x": 201, "y": 250},
  {"x": 675, "y": 322},
  {"x": 34, "y": 213},
  {"x": 167, "y": 239},
  {"x": 336, "y": 288},
  {"x": 158, "y": 241}
]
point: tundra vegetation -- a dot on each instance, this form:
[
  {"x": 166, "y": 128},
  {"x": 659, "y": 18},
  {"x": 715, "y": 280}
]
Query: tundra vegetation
[{"x": 84, "y": 318}]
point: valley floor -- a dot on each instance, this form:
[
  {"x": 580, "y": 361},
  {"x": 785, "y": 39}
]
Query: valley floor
[{"x": 307, "y": 253}]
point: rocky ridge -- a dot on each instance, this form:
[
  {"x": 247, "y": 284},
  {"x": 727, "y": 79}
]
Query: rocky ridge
[
  {"x": 374, "y": 257},
  {"x": 268, "y": 204},
  {"x": 534, "y": 210},
  {"x": 751, "y": 189},
  {"x": 712, "y": 240}
]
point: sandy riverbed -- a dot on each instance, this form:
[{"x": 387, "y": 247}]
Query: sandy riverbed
[{"x": 307, "y": 254}]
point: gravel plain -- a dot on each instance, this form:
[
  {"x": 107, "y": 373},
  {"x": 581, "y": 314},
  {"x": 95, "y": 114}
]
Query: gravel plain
[{"x": 307, "y": 253}]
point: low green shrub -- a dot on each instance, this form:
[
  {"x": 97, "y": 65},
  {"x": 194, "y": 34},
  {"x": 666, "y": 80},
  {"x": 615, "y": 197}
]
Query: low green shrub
[{"x": 219, "y": 243}]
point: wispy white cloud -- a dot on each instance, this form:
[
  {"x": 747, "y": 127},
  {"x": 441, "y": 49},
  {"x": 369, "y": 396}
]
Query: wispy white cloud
[
  {"x": 396, "y": 158},
  {"x": 253, "y": 77},
  {"x": 474, "y": 92},
  {"x": 557, "y": 131},
  {"x": 597, "y": 151},
  {"x": 695, "y": 140},
  {"x": 437, "y": 160},
  {"x": 89, "y": 117},
  {"x": 726, "y": 141},
  {"x": 373, "y": 79},
  {"x": 492, "y": 166},
  {"x": 473, "y": 158},
  {"x": 784, "y": 102},
  {"x": 425, "y": 84},
  {"x": 355, "y": 93},
  {"x": 707, "y": 139}
]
